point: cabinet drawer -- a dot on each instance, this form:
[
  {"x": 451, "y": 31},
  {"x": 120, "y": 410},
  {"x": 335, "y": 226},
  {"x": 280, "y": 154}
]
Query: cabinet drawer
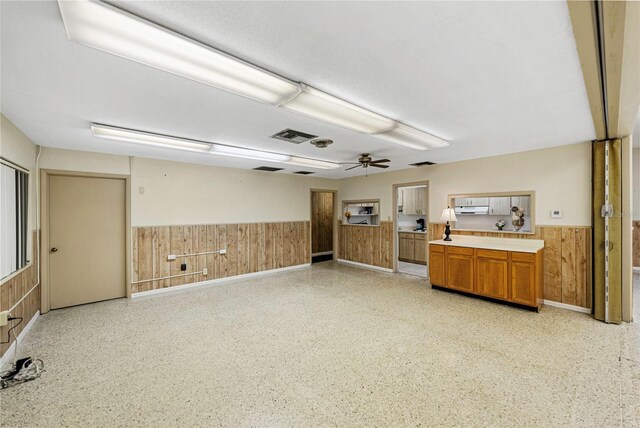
[
  {"x": 436, "y": 248},
  {"x": 418, "y": 236},
  {"x": 523, "y": 257},
  {"x": 461, "y": 250},
  {"x": 406, "y": 235},
  {"x": 493, "y": 254}
]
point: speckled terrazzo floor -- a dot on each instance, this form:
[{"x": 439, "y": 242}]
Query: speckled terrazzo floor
[{"x": 332, "y": 345}]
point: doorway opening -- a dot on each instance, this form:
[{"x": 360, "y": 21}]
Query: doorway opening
[
  {"x": 411, "y": 208},
  {"x": 322, "y": 225}
]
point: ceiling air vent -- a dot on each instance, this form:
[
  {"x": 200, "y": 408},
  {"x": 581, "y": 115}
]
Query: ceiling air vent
[
  {"x": 267, "y": 168},
  {"x": 303, "y": 172},
  {"x": 422, "y": 163},
  {"x": 293, "y": 136}
]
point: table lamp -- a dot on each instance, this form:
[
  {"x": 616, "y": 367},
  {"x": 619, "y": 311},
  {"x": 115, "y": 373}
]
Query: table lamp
[{"x": 448, "y": 214}]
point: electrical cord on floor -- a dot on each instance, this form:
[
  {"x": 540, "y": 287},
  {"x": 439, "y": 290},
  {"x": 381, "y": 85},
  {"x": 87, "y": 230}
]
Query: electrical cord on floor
[{"x": 22, "y": 370}]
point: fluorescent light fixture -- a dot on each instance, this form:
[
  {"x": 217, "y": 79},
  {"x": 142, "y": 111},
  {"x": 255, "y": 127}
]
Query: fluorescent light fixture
[
  {"x": 312, "y": 163},
  {"x": 240, "y": 152},
  {"x": 112, "y": 30},
  {"x": 320, "y": 105},
  {"x": 413, "y": 138},
  {"x": 140, "y": 137}
]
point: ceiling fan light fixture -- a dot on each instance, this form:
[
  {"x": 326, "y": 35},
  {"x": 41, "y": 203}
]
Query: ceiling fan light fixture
[
  {"x": 108, "y": 132},
  {"x": 320, "y": 105},
  {"x": 410, "y": 137},
  {"x": 109, "y": 29}
]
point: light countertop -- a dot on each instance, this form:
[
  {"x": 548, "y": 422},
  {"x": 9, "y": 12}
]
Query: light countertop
[
  {"x": 504, "y": 244},
  {"x": 421, "y": 232}
]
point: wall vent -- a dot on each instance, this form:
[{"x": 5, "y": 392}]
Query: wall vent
[
  {"x": 422, "y": 163},
  {"x": 293, "y": 136},
  {"x": 267, "y": 168},
  {"x": 303, "y": 172}
]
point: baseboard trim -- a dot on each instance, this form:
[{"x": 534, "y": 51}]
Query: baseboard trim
[
  {"x": 567, "y": 306},
  {"x": 9, "y": 352},
  {"x": 217, "y": 281},
  {"x": 365, "y": 266},
  {"x": 322, "y": 253}
]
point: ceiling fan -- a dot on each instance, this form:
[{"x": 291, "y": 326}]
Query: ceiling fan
[{"x": 365, "y": 162}]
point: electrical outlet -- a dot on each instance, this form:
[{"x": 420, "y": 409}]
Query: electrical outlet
[
  {"x": 4, "y": 318},
  {"x": 183, "y": 267},
  {"x": 171, "y": 257},
  {"x": 223, "y": 251},
  {"x": 205, "y": 271}
]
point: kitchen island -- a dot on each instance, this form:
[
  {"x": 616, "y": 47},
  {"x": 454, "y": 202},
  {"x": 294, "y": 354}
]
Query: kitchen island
[{"x": 505, "y": 269}]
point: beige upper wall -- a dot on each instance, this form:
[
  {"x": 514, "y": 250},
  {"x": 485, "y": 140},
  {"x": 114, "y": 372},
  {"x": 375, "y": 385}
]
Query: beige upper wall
[
  {"x": 636, "y": 183},
  {"x": 561, "y": 178},
  {"x": 181, "y": 193},
  {"x": 18, "y": 149},
  {"x": 74, "y": 160}
]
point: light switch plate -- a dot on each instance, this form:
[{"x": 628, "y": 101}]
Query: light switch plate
[
  {"x": 223, "y": 251},
  {"x": 556, "y": 213},
  {"x": 171, "y": 257}
]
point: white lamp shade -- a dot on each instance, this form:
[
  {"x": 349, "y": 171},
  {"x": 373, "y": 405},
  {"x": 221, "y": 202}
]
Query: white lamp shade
[{"x": 448, "y": 214}]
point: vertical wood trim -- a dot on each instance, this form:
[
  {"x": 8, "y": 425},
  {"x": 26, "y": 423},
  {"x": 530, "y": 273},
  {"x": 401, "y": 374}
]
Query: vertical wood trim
[{"x": 250, "y": 248}]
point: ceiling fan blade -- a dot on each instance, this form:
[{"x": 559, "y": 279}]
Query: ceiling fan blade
[
  {"x": 380, "y": 161},
  {"x": 357, "y": 166},
  {"x": 379, "y": 166},
  {"x": 349, "y": 163}
]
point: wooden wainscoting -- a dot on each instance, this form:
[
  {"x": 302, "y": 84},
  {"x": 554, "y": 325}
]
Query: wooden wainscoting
[
  {"x": 251, "y": 247},
  {"x": 371, "y": 245},
  {"x": 14, "y": 289},
  {"x": 636, "y": 243},
  {"x": 567, "y": 259}
]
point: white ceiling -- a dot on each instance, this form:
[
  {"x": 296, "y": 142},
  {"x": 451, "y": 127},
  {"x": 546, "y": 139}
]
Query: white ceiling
[{"x": 491, "y": 78}]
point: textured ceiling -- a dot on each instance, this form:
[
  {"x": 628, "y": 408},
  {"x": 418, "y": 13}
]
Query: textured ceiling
[{"x": 492, "y": 78}]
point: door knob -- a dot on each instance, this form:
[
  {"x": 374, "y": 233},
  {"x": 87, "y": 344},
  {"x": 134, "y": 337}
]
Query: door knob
[{"x": 54, "y": 250}]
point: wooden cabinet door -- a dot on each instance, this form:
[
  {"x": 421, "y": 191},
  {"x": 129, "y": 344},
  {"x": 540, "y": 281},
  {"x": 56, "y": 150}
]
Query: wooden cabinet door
[
  {"x": 437, "y": 266},
  {"x": 406, "y": 248},
  {"x": 520, "y": 202},
  {"x": 460, "y": 272},
  {"x": 523, "y": 277},
  {"x": 409, "y": 202},
  {"x": 493, "y": 277},
  {"x": 420, "y": 249},
  {"x": 499, "y": 205},
  {"x": 419, "y": 200}
]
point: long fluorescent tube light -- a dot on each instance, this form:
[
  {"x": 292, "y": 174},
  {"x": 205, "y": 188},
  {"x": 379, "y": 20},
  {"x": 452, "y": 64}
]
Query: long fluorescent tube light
[
  {"x": 320, "y": 105},
  {"x": 112, "y": 30},
  {"x": 411, "y": 137},
  {"x": 107, "y": 28},
  {"x": 312, "y": 163},
  {"x": 240, "y": 152},
  {"x": 140, "y": 137}
]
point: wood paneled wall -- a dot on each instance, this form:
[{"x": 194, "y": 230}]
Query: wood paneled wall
[
  {"x": 251, "y": 247},
  {"x": 14, "y": 289},
  {"x": 370, "y": 245},
  {"x": 321, "y": 222},
  {"x": 636, "y": 243},
  {"x": 567, "y": 260}
]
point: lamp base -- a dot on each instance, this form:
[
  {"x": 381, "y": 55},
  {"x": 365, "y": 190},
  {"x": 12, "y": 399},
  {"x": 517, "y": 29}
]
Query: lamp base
[{"x": 447, "y": 232}]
